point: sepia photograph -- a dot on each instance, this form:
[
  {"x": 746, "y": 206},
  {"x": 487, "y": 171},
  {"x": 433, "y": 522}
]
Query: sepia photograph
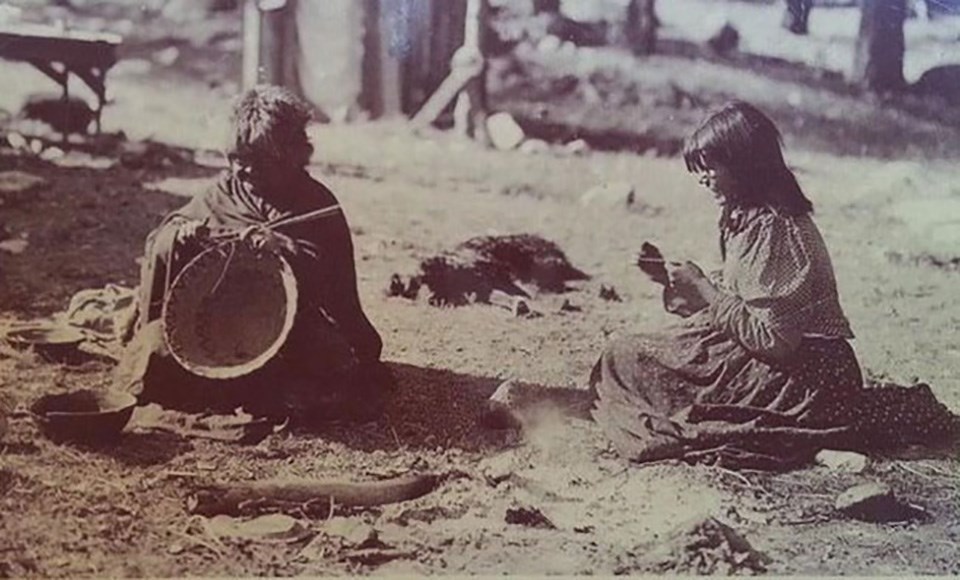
[{"x": 479, "y": 288}]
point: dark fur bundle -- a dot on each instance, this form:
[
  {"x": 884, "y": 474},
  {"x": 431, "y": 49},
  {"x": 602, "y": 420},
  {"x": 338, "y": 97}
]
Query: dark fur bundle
[
  {"x": 71, "y": 116},
  {"x": 481, "y": 265}
]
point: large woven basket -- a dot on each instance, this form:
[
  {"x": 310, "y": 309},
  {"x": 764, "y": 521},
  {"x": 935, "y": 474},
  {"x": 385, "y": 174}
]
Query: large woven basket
[{"x": 229, "y": 311}]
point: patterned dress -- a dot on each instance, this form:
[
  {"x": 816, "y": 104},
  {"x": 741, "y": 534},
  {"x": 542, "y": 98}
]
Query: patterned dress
[{"x": 765, "y": 376}]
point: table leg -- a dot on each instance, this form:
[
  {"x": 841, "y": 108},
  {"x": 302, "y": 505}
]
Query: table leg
[{"x": 95, "y": 78}]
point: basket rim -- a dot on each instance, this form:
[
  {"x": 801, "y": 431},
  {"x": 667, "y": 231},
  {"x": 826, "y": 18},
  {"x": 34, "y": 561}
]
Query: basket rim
[{"x": 222, "y": 372}]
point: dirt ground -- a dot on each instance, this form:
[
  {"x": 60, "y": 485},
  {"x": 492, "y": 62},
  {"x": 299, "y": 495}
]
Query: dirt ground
[{"x": 884, "y": 181}]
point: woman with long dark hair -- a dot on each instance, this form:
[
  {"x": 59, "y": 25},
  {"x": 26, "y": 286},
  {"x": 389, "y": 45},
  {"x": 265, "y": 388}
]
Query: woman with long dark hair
[{"x": 761, "y": 373}]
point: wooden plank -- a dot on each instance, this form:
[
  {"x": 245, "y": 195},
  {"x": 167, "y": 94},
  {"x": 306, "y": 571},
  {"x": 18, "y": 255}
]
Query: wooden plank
[{"x": 69, "y": 51}]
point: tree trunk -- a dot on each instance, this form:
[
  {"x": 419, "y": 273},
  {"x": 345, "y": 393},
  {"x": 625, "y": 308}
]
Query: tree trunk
[
  {"x": 549, "y": 6},
  {"x": 878, "y": 61},
  {"x": 641, "y": 27},
  {"x": 797, "y": 15}
]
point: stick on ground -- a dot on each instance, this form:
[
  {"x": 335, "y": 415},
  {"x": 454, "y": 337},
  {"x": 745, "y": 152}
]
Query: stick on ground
[{"x": 229, "y": 498}]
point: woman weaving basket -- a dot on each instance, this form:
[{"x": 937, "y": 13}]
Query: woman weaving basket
[
  {"x": 327, "y": 361},
  {"x": 761, "y": 373}
]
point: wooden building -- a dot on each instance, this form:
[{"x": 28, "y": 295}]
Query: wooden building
[{"x": 353, "y": 58}]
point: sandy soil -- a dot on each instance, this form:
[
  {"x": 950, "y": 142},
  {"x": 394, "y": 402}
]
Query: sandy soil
[{"x": 84, "y": 511}]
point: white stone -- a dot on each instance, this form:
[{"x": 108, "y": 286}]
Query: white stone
[
  {"x": 16, "y": 140},
  {"x": 52, "y": 153},
  {"x": 167, "y": 56},
  {"x": 842, "y": 461},
  {"x": 577, "y": 147},
  {"x": 16, "y": 246},
  {"x": 505, "y": 132},
  {"x": 79, "y": 159},
  {"x": 534, "y": 147},
  {"x": 864, "y": 498},
  {"x": 549, "y": 43}
]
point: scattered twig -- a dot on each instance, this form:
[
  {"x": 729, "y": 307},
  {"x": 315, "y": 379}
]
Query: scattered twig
[
  {"x": 197, "y": 541},
  {"x": 734, "y": 474},
  {"x": 942, "y": 471},
  {"x": 805, "y": 521},
  {"x": 813, "y": 495},
  {"x": 396, "y": 438},
  {"x": 909, "y": 469},
  {"x": 901, "y": 557}
]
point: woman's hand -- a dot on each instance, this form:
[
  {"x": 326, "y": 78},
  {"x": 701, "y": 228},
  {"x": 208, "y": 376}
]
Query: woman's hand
[
  {"x": 269, "y": 240},
  {"x": 192, "y": 230},
  {"x": 689, "y": 290}
]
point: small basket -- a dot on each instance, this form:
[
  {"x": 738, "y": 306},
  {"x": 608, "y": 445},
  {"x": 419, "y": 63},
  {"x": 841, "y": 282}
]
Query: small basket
[
  {"x": 229, "y": 311},
  {"x": 84, "y": 415}
]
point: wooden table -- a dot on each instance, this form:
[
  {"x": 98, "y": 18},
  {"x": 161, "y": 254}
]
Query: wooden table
[{"x": 57, "y": 52}]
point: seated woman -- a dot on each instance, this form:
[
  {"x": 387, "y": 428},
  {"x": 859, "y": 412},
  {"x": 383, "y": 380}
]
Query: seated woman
[
  {"x": 761, "y": 373},
  {"x": 329, "y": 363}
]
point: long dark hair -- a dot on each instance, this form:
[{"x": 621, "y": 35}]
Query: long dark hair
[{"x": 740, "y": 137}]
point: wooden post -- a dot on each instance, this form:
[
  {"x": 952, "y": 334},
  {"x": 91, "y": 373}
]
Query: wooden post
[
  {"x": 641, "y": 27},
  {"x": 878, "y": 60},
  {"x": 467, "y": 79},
  {"x": 797, "y": 15},
  {"x": 251, "y": 44},
  {"x": 475, "y": 46},
  {"x": 264, "y": 31},
  {"x": 381, "y": 93}
]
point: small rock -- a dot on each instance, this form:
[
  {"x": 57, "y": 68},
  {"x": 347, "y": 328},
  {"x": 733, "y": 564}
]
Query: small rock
[
  {"x": 16, "y": 140},
  {"x": 13, "y": 246},
  {"x": 506, "y": 393},
  {"x": 167, "y": 56},
  {"x": 876, "y": 502},
  {"x": 615, "y": 193},
  {"x": 842, "y": 461},
  {"x": 505, "y": 133},
  {"x": 52, "y": 154},
  {"x": 79, "y": 159},
  {"x": 567, "y": 306},
  {"x": 534, "y": 147},
  {"x": 858, "y": 497},
  {"x": 36, "y": 146},
  {"x": 577, "y": 147},
  {"x": 500, "y": 413},
  {"x": 549, "y": 43},
  {"x": 530, "y": 517}
]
